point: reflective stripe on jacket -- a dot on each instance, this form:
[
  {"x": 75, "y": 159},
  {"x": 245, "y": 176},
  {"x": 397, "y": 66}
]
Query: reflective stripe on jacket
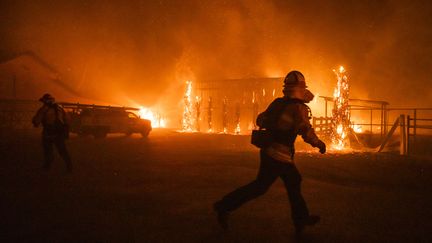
[{"x": 293, "y": 120}]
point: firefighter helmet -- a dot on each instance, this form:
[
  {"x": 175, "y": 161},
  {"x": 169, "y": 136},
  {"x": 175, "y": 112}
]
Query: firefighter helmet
[
  {"x": 47, "y": 98},
  {"x": 295, "y": 79}
]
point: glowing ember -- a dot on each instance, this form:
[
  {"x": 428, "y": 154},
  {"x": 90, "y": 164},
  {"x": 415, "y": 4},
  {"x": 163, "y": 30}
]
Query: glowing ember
[
  {"x": 341, "y": 114},
  {"x": 187, "y": 120},
  {"x": 156, "y": 119}
]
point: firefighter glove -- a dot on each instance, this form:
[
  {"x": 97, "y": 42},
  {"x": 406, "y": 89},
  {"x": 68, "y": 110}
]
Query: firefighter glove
[{"x": 322, "y": 147}]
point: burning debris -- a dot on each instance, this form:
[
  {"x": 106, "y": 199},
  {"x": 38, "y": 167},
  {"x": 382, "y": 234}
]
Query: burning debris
[{"x": 341, "y": 113}]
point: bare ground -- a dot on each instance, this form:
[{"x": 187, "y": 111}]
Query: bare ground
[{"x": 161, "y": 189}]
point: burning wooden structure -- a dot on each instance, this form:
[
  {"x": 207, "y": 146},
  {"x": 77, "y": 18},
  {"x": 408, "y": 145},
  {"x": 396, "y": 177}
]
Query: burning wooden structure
[{"x": 230, "y": 105}]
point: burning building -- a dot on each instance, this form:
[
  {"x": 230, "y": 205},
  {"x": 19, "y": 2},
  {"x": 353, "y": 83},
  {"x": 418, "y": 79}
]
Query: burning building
[{"x": 229, "y": 105}]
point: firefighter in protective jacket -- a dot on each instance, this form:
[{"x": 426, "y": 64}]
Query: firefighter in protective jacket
[
  {"x": 285, "y": 118},
  {"x": 55, "y": 130}
]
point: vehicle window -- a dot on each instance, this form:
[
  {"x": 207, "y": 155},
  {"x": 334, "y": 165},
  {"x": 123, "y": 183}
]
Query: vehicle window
[{"x": 132, "y": 115}]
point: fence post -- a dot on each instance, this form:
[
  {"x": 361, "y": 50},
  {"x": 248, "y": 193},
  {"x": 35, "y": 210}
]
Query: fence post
[
  {"x": 408, "y": 135},
  {"x": 402, "y": 135},
  {"x": 382, "y": 120},
  {"x": 314, "y": 123},
  {"x": 389, "y": 134},
  {"x": 415, "y": 127},
  {"x": 326, "y": 108},
  {"x": 385, "y": 119}
]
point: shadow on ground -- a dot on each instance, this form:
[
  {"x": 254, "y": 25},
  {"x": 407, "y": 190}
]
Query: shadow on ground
[{"x": 161, "y": 189}]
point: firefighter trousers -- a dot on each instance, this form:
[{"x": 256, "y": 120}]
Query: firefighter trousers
[
  {"x": 270, "y": 169},
  {"x": 48, "y": 143}
]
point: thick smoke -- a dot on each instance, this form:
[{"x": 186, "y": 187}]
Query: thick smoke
[{"x": 143, "y": 51}]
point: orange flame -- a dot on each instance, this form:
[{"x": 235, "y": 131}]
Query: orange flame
[
  {"x": 187, "y": 120},
  {"x": 341, "y": 114},
  {"x": 156, "y": 120}
]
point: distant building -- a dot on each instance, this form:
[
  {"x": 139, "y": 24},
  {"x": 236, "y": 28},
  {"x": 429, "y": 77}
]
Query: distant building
[{"x": 230, "y": 105}]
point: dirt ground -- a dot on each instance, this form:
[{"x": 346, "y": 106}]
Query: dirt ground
[{"x": 161, "y": 189}]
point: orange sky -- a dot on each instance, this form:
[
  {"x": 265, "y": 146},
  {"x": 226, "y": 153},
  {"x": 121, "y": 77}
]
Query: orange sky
[{"x": 143, "y": 51}]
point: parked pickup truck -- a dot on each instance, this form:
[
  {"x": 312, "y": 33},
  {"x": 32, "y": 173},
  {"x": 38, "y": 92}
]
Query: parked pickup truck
[{"x": 100, "y": 120}]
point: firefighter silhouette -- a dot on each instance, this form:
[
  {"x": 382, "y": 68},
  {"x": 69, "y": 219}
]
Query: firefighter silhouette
[
  {"x": 285, "y": 118},
  {"x": 55, "y": 130}
]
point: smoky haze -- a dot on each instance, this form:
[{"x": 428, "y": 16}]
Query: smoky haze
[{"x": 142, "y": 51}]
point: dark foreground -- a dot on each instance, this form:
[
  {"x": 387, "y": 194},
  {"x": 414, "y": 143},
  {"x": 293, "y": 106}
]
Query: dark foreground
[{"x": 161, "y": 189}]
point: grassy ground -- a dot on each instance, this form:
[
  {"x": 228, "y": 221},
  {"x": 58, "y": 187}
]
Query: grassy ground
[{"x": 161, "y": 189}]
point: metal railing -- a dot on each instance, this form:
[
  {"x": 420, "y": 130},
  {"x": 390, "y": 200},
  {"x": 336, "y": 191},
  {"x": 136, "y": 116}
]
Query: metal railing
[
  {"x": 322, "y": 124},
  {"x": 412, "y": 124},
  {"x": 383, "y": 123},
  {"x": 17, "y": 114}
]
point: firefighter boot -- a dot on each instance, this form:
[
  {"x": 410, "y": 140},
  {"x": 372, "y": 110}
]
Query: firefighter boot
[
  {"x": 311, "y": 220},
  {"x": 222, "y": 215}
]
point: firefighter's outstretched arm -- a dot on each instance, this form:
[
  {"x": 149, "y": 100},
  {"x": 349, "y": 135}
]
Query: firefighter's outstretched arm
[{"x": 305, "y": 129}]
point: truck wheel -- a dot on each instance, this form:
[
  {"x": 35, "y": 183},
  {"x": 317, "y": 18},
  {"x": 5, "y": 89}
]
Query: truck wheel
[{"x": 145, "y": 134}]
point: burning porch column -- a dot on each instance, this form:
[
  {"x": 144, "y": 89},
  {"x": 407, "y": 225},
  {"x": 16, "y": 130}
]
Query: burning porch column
[
  {"x": 198, "y": 113},
  {"x": 254, "y": 110},
  {"x": 237, "y": 130},
  {"x": 187, "y": 120},
  {"x": 209, "y": 114},
  {"x": 341, "y": 113},
  {"x": 225, "y": 115}
]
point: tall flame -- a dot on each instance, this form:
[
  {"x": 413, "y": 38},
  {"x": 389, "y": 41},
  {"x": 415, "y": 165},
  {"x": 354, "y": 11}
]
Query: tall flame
[
  {"x": 187, "y": 120},
  {"x": 210, "y": 115},
  {"x": 341, "y": 113}
]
